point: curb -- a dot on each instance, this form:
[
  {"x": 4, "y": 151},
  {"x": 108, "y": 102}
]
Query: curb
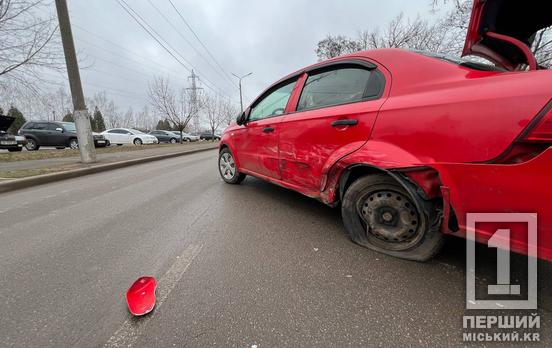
[{"x": 18, "y": 184}]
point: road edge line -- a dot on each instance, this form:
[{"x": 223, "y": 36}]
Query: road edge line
[{"x": 18, "y": 184}]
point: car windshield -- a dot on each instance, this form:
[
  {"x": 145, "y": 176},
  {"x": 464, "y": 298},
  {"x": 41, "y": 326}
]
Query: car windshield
[
  {"x": 134, "y": 131},
  {"x": 479, "y": 64},
  {"x": 70, "y": 127}
]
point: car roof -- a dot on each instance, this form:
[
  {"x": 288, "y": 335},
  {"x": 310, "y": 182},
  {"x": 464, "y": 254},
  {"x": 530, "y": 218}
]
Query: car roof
[{"x": 409, "y": 69}]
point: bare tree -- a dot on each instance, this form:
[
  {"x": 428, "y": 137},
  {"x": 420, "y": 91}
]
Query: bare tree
[
  {"x": 401, "y": 32},
  {"x": 334, "y": 46},
  {"x": 445, "y": 34},
  {"x": 216, "y": 112},
  {"x": 542, "y": 47},
  {"x": 28, "y": 43},
  {"x": 179, "y": 107}
]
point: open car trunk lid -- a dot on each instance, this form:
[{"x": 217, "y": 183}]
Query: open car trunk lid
[
  {"x": 503, "y": 31},
  {"x": 5, "y": 122}
]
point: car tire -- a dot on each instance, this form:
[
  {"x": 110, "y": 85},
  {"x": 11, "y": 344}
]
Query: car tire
[
  {"x": 227, "y": 168},
  {"x": 137, "y": 142},
  {"x": 380, "y": 214},
  {"x": 32, "y": 145},
  {"x": 18, "y": 149},
  {"x": 73, "y": 144},
  {"x": 173, "y": 141}
]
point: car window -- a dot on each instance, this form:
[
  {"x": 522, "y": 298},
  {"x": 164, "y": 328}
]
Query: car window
[
  {"x": 40, "y": 126},
  {"x": 338, "y": 86},
  {"x": 53, "y": 126},
  {"x": 272, "y": 104}
]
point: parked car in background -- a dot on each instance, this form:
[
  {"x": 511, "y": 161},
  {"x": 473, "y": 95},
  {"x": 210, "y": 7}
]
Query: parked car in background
[
  {"x": 407, "y": 144},
  {"x": 187, "y": 136},
  {"x": 8, "y": 141},
  {"x": 122, "y": 136},
  {"x": 165, "y": 136},
  {"x": 209, "y": 136},
  {"x": 54, "y": 133}
]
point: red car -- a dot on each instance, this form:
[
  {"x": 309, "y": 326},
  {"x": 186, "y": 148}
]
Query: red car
[{"x": 409, "y": 143}]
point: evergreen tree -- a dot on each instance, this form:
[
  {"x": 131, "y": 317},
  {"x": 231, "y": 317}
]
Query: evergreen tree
[
  {"x": 1, "y": 111},
  {"x": 19, "y": 120},
  {"x": 98, "y": 123},
  {"x": 159, "y": 125},
  {"x": 68, "y": 117}
]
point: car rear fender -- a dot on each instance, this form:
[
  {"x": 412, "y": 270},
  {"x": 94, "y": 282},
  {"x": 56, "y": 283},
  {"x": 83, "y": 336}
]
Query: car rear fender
[{"x": 503, "y": 188}]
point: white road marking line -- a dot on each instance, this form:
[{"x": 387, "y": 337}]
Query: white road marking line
[{"x": 129, "y": 332}]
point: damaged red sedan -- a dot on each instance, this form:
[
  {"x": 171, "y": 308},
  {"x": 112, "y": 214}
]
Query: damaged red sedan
[{"x": 409, "y": 143}]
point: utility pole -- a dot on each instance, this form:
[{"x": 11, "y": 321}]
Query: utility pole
[
  {"x": 194, "y": 97},
  {"x": 240, "y": 78},
  {"x": 80, "y": 114}
]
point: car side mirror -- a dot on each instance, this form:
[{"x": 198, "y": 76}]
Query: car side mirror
[
  {"x": 59, "y": 129},
  {"x": 242, "y": 118}
]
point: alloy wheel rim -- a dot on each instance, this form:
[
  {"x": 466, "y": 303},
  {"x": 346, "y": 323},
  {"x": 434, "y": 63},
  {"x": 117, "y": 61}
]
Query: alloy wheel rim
[
  {"x": 227, "y": 166},
  {"x": 73, "y": 145}
]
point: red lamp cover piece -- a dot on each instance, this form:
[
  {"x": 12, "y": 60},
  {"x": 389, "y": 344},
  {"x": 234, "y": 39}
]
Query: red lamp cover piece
[{"x": 141, "y": 296}]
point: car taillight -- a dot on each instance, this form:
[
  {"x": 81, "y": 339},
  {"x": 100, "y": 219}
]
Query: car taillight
[{"x": 542, "y": 131}]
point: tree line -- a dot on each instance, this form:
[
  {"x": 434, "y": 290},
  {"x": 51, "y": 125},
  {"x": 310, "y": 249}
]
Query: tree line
[{"x": 442, "y": 31}]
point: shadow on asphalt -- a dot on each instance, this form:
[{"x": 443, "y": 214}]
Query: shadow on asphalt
[{"x": 452, "y": 255}]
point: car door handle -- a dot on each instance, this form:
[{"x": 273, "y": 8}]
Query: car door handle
[
  {"x": 340, "y": 123},
  {"x": 268, "y": 130}
]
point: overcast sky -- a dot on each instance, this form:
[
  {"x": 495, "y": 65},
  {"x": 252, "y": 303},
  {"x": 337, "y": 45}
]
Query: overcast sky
[{"x": 270, "y": 38}]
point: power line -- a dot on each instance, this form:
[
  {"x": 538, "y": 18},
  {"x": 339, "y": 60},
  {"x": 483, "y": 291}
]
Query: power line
[
  {"x": 189, "y": 43},
  {"x": 145, "y": 25},
  {"x": 158, "y": 67},
  {"x": 198, "y": 39}
]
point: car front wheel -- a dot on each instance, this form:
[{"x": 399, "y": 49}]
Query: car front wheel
[
  {"x": 227, "y": 168},
  {"x": 380, "y": 214},
  {"x": 137, "y": 142}
]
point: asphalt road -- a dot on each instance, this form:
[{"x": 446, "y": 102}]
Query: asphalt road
[{"x": 239, "y": 266}]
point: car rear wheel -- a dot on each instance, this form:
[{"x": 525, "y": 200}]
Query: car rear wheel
[
  {"x": 137, "y": 141},
  {"x": 173, "y": 141},
  {"x": 227, "y": 168},
  {"x": 32, "y": 145},
  {"x": 380, "y": 214}
]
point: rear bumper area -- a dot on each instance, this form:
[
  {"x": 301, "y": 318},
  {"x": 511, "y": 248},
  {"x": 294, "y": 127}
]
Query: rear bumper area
[{"x": 499, "y": 188}]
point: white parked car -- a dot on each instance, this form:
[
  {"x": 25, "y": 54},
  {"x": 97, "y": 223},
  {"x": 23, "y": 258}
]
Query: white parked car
[
  {"x": 186, "y": 136},
  {"x": 122, "y": 136}
]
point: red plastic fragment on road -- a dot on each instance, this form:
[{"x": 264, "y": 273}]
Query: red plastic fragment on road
[{"x": 141, "y": 296}]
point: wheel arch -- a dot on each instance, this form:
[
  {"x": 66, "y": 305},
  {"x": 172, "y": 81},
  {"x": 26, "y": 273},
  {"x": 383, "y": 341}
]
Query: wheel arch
[{"x": 422, "y": 183}]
